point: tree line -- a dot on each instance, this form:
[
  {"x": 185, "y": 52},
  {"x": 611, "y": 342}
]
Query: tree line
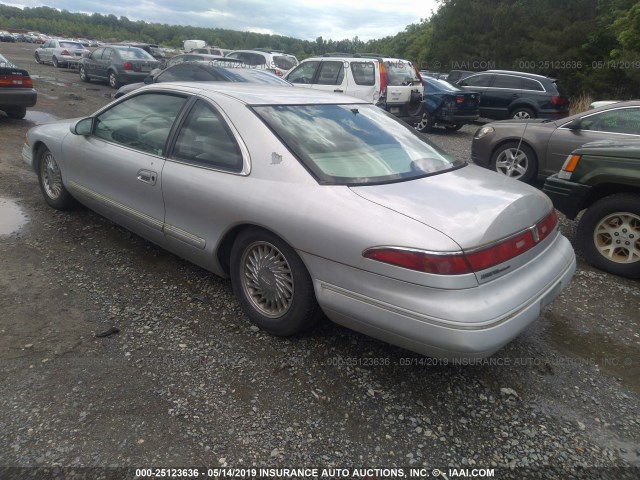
[{"x": 591, "y": 46}]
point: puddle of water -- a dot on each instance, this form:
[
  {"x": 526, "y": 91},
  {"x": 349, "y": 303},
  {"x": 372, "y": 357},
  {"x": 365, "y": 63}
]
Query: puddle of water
[
  {"x": 52, "y": 80},
  {"x": 619, "y": 360},
  {"x": 12, "y": 218},
  {"x": 40, "y": 118}
]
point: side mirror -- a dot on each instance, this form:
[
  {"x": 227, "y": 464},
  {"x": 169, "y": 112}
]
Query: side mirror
[
  {"x": 83, "y": 127},
  {"x": 575, "y": 125},
  {"x": 148, "y": 79}
]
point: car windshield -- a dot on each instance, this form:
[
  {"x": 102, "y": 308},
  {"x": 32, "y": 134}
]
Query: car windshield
[{"x": 354, "y": 144}]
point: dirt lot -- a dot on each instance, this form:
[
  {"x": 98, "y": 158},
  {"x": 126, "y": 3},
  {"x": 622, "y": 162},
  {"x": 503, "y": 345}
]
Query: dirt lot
[{"x": 189, "y": 382}]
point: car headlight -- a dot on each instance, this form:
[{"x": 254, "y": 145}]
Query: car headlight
[{"x": 483, "y": 132}]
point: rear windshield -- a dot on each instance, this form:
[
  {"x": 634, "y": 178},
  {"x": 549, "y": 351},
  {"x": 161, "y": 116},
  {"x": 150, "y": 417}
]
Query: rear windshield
[
  {"x": 285, "y": 62},
  {"x": 442, "y": 85},
  {"x": 74, "y": 45},
  {"x": 354, "y": 144},
  {"x": 401, "y": 72},
  {"x": 134, "y": 54}
]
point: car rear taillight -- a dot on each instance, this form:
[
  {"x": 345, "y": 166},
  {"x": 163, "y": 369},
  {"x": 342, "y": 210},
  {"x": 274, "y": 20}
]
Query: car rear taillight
[
  {"x": 383, "y": 79},
  {"x": 558, "y": 101},
  {"x": 65, "y": 52},
  {"x": 17, "y": 81},
  {"x": 128, "y": 66},
  {"x": 415, "y": 69},
  {"x": 459, "y": 263},
  {"x": 459, "y": 99}
]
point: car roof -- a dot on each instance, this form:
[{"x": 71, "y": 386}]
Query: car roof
[
  {"x": 259, "y": 94},
  {"x": 522, "y": 74}
]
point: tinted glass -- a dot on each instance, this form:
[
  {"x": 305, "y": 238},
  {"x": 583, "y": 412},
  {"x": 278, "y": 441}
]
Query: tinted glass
[
  {"x": 364, "y": 73},
  {"x": 331, "y": 73},
  {"x": 354, "y": 144},
  {"x": 189, "y": 72},
  {"x": 284, "y": 62},
  {"x": 142, "y": 122},
  {"x": 507, "y": 81},
  {"x": 476, "y": 81},
  {"x": 441, "y": 85},
  {"x": 205, "y": 139},
  {"x": 529, "y": 84}
]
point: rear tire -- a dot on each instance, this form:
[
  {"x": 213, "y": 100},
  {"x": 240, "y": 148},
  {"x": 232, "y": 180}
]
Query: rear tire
[
  {"x": 50, "y": 180},
  {"x": 55, "y": 62},
  {"x": 38, "y": 58},
  {"x": 113, "y": 80},
  {"x": 272, "y": 283},
  {"x": 609, "y": 234},
  {"x": 426, "y": 123},
  {"x": 17, "y": 113},
  {"x": 517, "y": 162},
  {"x": 522, "y": 113}
]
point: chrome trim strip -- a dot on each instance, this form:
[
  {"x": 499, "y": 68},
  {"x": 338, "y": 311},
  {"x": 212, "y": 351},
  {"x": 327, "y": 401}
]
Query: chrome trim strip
[
  {"x": 128, "y": 211},
  {"x": 184, "y": 236}
]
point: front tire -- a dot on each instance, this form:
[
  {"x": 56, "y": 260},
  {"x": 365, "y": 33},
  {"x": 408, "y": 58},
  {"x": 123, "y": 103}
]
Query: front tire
[
  {"x": 516, "y": 161},
  {"x": 609, "y": 234},
  {"x": 50, "y": 179},
  {"x": 113, "y": 80},
  {"x": 83, "y": 74},
  {"x": 272, "y": 283}
]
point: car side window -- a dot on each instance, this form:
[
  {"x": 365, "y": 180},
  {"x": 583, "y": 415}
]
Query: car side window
[
  {"x": 142, "y": 122},
  {"x": 621, "y": 120},
  {"x": 304, "y": 73},
  {"x": 97, "y": 54},
  {"x": 507, "y": 81},
  {"x": 476, "y": 81},
  {"x": 331, "y": 73},
  {"x": 363, "y": 73},
  {"x": 528, "y": 84},
  {"x": 108, "y": 53},
  {"x": 205, "y": 139}
]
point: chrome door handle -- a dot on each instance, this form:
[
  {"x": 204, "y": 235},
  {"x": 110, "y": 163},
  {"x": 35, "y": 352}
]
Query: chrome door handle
[{"x": 147, "y": 176}]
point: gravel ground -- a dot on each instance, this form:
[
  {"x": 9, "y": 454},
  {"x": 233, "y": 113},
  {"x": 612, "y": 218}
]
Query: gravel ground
[{"x": 182, "y": 379}]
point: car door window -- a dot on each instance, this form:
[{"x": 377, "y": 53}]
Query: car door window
[
  {"x": 363, "y": 73},
  {"x": 331, "y": 73},
  {"x": 528, "y": 84},
  {"x": 108, "y": 53},
  {"x": 476, "y": 81},
  {"x": 621, "y": 120},
  {"x": 205, "y": 139},
  {"x": 142, "y": 122},
  {"x": 304, "y": 73},
  {"x": 97, "y": 54}
]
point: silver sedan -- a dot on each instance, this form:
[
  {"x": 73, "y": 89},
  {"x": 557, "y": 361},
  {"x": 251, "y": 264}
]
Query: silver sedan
[
  {"x": 537, "y": 148},
  {"x": 315, "y": 203}
]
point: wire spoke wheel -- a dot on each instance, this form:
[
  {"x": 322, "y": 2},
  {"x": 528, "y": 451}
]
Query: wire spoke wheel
[
  {"x": 617, "y": 237},
  {"x": 51, "y": 176},
  {"x": 267, "y": 279}
]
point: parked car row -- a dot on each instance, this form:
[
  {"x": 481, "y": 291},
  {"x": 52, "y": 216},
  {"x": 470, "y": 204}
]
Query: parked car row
[{"x": 61, "y": 53}]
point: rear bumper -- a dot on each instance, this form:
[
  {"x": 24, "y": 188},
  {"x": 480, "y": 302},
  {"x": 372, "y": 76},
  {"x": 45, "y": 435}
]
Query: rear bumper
[
  {"x": 567, "y": 197},
  {"x": 18, "y": 97},
  {"x": 453, "y": 324}
]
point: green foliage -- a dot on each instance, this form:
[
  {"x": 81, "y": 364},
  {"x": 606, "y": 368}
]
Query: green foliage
[{"x": 591, "y": 46}]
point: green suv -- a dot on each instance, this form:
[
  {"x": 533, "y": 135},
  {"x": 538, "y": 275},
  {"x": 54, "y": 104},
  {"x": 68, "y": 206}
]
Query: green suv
[{"x": 604, "y": 179}]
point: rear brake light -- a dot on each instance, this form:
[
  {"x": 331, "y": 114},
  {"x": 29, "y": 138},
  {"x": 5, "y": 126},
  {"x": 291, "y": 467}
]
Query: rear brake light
[
  {"x": 558, "y": 101},
  {"x": 383, "y": 79},
  {"x": 65, "y": 52},
  {"x": 458, "y": 263},
  {"x": 459, "y": 99},
  {"x": 415, "y": 69},
  {"x": 128, "y": 66},
  {"x": 16, "y": 81}
]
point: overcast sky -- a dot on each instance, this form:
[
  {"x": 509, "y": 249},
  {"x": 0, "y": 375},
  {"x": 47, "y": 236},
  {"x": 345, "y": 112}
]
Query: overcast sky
[{"x": 304, "y": 19}]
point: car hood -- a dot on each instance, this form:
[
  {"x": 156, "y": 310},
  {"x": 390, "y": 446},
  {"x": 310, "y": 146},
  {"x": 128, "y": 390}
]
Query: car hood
[{"x": 471, "y": 205}]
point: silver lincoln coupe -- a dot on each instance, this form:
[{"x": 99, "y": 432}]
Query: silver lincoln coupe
[{"x": 315, "y": 203}]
